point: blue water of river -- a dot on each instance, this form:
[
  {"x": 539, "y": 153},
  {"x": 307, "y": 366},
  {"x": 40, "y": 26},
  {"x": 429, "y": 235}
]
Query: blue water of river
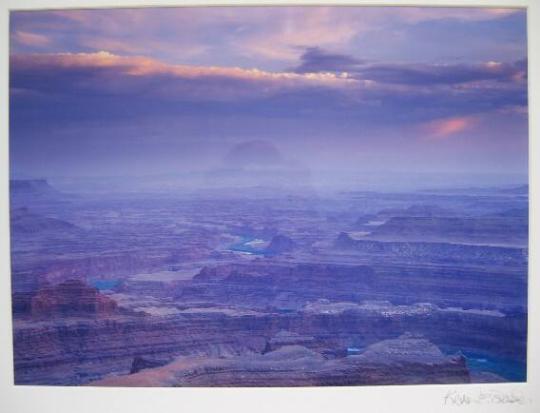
[
  {"x": 510, "y": 369},
  {"x": 244, "y": 246},
  {"x": 103, "y": 284}
]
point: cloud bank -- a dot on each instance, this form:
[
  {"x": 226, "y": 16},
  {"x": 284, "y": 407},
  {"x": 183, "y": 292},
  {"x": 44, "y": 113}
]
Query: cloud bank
[{"x": 331, "y": 86}]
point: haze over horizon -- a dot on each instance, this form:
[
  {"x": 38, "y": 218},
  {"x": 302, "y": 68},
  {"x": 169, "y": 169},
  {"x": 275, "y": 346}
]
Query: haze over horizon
[{"x": 366, "y": 90}]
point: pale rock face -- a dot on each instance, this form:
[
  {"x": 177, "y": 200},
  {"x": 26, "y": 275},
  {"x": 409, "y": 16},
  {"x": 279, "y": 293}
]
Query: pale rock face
[{"x": 295, "y": 365}]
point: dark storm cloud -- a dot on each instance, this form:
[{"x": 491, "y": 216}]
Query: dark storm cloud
[
  {"x": 314, "y": 60},
  {"x": 433, "y": 74},
  {"x": 71, "y": 87},
  {"x": 107, "y": 74}
]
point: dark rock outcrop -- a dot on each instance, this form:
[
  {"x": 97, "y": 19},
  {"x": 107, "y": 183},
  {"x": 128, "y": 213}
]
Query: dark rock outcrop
[
  {"x": 279, "y": 245},
  {"x": 71, "y": 297},
  {"x": 141, "y": 363}
]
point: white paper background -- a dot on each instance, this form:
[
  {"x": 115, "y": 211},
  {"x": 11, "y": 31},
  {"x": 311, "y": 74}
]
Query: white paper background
[{"x": 430, "y": 398}]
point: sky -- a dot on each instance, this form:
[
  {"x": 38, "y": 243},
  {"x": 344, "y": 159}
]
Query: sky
[{"x": 130, "y": 92}]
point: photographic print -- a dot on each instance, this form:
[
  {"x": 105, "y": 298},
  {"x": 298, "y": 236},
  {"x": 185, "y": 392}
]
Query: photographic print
[{"x": 268, "y": 196}]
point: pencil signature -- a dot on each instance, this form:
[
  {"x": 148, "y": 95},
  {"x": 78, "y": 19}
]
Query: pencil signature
[{"x": 457, "y": 398}]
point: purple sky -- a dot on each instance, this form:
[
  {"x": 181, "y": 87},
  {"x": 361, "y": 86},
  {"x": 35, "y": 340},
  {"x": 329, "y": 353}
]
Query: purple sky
[{"x": 366, "y": 89}]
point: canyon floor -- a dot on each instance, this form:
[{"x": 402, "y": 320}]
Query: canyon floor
[{"x": 263, "y": 287}]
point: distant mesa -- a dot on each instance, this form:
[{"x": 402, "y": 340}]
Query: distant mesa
[
  {"x": 516, "y": 190},
  {"x": 25, "y": 192},
  {"x": 253, "y": 153},
  {"x": 257, "y": 164},
  {"x": 423, "y": 210},
  {"x": 416, "y": 210},
  {"x": 479, "y": 230},
  {"x": 434, "y": 251},
  {"x": 513, "y": 213},
  {"x": 30, "y": 186}
]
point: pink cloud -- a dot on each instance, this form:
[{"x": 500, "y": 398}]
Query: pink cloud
[
  {"x": 141, "y": 66},
  {"x": 30, "y": 39},
  {"x": 444, "y": 128},
  {"x": 221, "y": 83}
]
